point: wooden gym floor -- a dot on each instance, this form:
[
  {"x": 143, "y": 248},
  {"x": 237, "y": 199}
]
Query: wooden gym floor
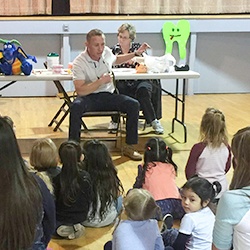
[{"x": 32, "y": 116}]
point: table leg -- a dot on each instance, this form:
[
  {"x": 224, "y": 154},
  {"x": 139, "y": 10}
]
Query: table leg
[
  {"x": 7, "y": 85},
  {"x": 182, "y": 100}
]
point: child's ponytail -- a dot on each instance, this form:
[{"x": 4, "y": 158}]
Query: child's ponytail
[{"x": 217, "y": 188}]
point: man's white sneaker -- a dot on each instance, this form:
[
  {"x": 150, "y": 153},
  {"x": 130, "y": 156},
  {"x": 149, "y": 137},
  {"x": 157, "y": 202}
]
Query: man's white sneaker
[
  {"x": 113, "y": 126},
  {"x": 157, "y": 127},
  {"x": 132, "y": 153}
]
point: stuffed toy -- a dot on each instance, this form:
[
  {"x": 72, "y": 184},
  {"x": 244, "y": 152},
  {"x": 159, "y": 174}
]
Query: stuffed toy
[
  {"x": 13, "y": 61},
  {"x": 141, "y": 68}
]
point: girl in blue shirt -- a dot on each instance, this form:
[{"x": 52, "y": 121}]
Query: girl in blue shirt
[
  {"x": 232, "y": 227},
  {"x": 139, "y": 231}
]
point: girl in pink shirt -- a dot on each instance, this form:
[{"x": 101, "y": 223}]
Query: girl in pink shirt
[{"x": 158, "y": 176}]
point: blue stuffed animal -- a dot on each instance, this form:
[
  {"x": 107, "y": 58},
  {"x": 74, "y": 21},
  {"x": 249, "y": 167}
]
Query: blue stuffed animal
[{"x": 13, "y": 61}]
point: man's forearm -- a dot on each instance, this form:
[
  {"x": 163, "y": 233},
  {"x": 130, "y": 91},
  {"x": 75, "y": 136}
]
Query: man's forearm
[{"x": 83, "y": 89}]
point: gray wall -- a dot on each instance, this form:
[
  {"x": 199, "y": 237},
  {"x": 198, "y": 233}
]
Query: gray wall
[
  {"x": 217, "y": 49},
  {"x": 223, "y": 62}
]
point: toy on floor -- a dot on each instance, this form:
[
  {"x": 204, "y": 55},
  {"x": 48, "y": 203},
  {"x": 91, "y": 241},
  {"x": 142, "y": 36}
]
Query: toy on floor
[{"x": 13, "y": 61}]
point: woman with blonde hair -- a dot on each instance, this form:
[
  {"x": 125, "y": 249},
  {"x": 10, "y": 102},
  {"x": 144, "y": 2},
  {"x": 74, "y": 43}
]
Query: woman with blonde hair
[{"x": 147, "y": 92}]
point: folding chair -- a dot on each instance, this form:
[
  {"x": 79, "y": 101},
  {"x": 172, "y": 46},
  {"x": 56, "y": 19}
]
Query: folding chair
[
  {"x": 113, "y": 134},
  {"x": 67, "y": 97},
  {"x": 62, "y": 113}
]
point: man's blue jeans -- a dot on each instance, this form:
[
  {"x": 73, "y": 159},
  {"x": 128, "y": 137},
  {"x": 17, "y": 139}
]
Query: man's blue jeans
[{"x": 105, "y": 101}]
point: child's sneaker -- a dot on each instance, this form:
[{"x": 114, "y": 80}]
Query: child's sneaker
[
  {"x": 167, "y": 222},
  {"x": 113, "y": 126},
  {"x": 71, "y": 232}
]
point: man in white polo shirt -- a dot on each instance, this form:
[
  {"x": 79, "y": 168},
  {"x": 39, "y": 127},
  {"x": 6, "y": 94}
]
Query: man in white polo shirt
[{"x": 95, "y": 88}]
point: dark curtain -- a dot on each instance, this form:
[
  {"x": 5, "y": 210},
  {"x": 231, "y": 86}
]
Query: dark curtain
[{"x": 60, "y": 7}]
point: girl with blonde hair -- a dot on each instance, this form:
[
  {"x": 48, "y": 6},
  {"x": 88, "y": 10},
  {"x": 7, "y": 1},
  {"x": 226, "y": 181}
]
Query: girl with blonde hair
[
  {"x": 139, "y": 231},
  {"x": 44, "y": 159},
  {"x": 211, "y": 157}
]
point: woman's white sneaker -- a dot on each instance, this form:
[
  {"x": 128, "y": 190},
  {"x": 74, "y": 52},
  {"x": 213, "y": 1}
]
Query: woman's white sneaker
[{"x": 156, "y": 125}]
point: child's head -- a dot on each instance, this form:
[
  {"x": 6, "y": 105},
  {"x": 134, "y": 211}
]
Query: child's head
[
  {"x": 140, "y": 205},
  {"x": 44, "y": 154},
  {"x": 156, "y": 150},
  {"x": 241, "y": 160},
  {"x": 98, "y": 157},
  {"x": 70, "y": 152},
  {"x": 107, "y": 186},
  {"x": 213, "y": 127},
  {"x": 10, "y": 155},
  {"x": 197, "y": 192},
  {"x": 9, "y": 120}
]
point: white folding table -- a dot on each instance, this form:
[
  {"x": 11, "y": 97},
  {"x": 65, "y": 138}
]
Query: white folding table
[
  {"x": 120, "y": 74},
  {"x": 128, "y": 74}
]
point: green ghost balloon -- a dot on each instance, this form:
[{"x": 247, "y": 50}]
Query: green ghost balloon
[{"x": 176, "y": 33}]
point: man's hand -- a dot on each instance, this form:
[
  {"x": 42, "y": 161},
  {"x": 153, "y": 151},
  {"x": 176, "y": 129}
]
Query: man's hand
[{"x": 106, "y": 78}]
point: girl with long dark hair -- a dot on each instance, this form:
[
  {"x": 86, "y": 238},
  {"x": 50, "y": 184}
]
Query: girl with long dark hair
[
  {"x": 72, "y": 191},
  {"x": 106, "y": 186},
  {"x": 27, "y": 217}
]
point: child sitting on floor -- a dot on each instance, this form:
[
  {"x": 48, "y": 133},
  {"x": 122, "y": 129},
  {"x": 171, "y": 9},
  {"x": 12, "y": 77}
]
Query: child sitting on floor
[
  {"x": 44, "y": 159},
  {"x": 211, "y": 157},
  {"x": 158, "y": 176},
  {"x": 139, "y": 231},
  {"x": 196, "y": 227},
  {"x": 72, "y": 192},
  {"x": 106, "y": 186}
]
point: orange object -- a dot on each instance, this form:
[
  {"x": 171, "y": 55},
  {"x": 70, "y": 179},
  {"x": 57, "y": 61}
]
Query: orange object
[
  {"x": 16, "y": 67},
  {"x": 54, "y": 246},
  {"x": 141, "y": 68}
]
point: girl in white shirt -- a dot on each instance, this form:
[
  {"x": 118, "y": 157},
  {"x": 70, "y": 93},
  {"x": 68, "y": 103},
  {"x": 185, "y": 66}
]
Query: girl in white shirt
[{"x": 196, "y": 227}]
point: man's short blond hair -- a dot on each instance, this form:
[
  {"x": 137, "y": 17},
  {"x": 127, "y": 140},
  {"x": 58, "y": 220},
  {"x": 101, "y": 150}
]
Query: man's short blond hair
[{"x": 94, "y": 32}]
